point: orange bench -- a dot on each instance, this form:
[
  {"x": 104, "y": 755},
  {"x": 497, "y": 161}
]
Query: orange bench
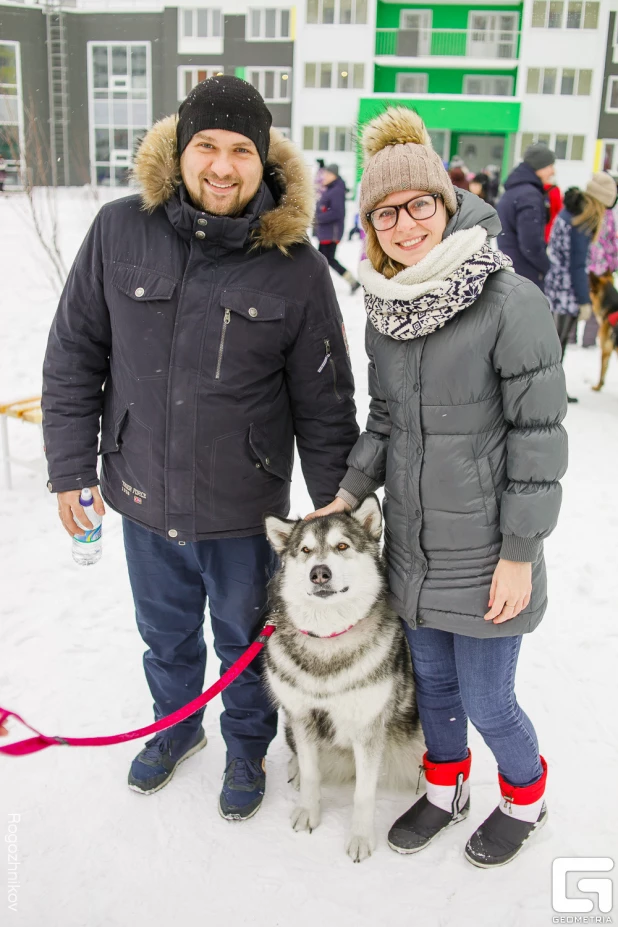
[{"x": 26, "y": 410}]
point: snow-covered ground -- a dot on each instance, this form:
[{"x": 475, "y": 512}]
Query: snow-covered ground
[{"x": 93, "y": 854}]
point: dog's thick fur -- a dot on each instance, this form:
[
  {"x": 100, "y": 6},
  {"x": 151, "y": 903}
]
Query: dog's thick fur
[
  {"x": 604, "y": 299},
  {"x": 346, "y": 684}
]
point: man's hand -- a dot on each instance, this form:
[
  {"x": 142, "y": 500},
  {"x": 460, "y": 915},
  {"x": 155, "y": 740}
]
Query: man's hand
[
  {"x": 70, "y": 510},
  {"x": 334, "y": 507},
  {"x": 511, "y": 587}
]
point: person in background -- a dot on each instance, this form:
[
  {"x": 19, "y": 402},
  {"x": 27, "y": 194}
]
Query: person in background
[
  {"x": 2, "y": 174},
  {"x": 554, "y": 205},
  {"x": 603, "y": 253},
  {"x": 566, "y": 283},
  {"x": 318, "y": 180},
  {"x": 493, "y": 187},
  {"x": 523, "y": 213},
  {"x": 479, "y": 185},
  {"x": 459, "y": 177},
  {"x": 329, "y": 221}
]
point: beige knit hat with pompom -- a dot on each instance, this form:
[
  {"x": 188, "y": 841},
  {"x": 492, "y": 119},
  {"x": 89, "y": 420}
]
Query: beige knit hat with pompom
[{"x": 399, "y": 156}]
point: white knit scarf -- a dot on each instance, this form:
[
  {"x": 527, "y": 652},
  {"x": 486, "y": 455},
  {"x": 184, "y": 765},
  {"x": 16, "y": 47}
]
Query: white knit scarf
[{"x": 422, "y": 298}]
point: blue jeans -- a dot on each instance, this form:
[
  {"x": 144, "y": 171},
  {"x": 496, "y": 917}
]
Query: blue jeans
[
  {"x": 170, "y": 584},
  {"x": 460, "y": 678}
]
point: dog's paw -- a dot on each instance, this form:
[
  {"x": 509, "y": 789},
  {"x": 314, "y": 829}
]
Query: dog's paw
[
  {"x": 360, "y": 847},
  {"x": 294, "y": 773},
  {"x": 305, "y": 819}
]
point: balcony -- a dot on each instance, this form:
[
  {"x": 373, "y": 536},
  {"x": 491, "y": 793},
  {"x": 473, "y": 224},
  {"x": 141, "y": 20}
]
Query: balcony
[{"x": 480, "y": 44}]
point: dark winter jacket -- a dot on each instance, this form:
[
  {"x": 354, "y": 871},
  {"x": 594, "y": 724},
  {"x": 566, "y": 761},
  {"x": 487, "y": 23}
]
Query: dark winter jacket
[
  {"x": 330, "y": 212},
  {"x": 207, "y": 344},
  {"x": 465, "y": 434},
  {"x": 566, "y": 285},
  {"x": 523, "y": 212}
]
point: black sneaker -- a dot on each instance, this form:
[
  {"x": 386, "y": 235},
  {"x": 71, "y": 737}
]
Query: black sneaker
[
  {"x": 421, "y": 824},
  {"x": 244, "y": 782},
  {"x": 155, "y": 765},
  {"x": 500, "y": 838}
]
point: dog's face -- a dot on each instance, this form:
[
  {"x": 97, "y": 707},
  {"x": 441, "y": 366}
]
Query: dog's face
[{"x": 330, "y": 573}]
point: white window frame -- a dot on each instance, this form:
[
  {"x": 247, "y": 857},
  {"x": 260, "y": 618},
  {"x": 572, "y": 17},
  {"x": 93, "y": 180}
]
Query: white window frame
[
  {"x": 402, "y": 76},
  {"x": 336, "y": 69},
  {"x": 608, "y": 94},
  {"x": 278, "y": 72},
  {"x": 558, "y": 91},
  {"x": 564, "y": 18},
  {"x": 117, "y": 156},
  {"x": 211, "y": 70},
  {"x": 423, "y": 28},
  {"x": 552, "y": 143},
  {"x": 493, "y": 35},
  {"x": 210, "y": 13},
  {"x": 337, "y": 14},
  {"x": 278, "y": 37},
  {"x": 332, "y": 131},
  {"x": 484, "y": 78},
  {"x": 18, "y": 97}
]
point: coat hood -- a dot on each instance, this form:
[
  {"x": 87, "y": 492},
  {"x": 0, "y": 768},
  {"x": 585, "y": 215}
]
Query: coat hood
[
  {"x": 523, "y": 174},
  {"x": 471, "y": 211},
  {"x": 157, "y": 171}
]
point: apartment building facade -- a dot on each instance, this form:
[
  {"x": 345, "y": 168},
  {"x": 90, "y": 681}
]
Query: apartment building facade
[{"x": 115, "y": 67}]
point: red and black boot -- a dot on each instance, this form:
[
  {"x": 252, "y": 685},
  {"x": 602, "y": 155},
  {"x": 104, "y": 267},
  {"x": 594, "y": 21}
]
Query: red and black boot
[
  {"x": 446, "y": 802},
  {"x": 520, "y": 814}
]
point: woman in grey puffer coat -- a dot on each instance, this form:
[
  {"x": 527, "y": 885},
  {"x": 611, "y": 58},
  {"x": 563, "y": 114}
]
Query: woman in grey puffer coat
[{"x": 464, "y": 432}]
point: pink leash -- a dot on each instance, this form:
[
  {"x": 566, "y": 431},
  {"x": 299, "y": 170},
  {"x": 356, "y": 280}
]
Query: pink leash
[{"x": 41, "y": 741}]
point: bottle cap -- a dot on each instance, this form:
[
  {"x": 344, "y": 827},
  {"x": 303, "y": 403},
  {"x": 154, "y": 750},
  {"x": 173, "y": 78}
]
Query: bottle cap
[{"x": 86, "y": 497}]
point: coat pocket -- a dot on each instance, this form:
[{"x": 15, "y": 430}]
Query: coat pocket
[
  {"x": 110, "y": 436},
  {"x": 242, "y": 340},
  {"x": 142, "y": 305},
  {"x": 488, "y": 490}
]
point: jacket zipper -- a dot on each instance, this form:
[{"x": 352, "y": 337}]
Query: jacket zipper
[
  {"x": 328, "y": 359},
  {"x": 226, "y": 322}
]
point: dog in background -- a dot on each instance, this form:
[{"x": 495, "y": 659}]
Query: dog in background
[
  {"x": 339, "y": 665},
  {"x": 604, "y": 299}
]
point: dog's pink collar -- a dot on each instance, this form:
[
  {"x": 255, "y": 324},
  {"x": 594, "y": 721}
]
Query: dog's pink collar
[{"x": 326, "y": 637}]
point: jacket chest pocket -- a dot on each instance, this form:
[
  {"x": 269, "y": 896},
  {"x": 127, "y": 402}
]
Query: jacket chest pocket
[
  {"x": 248, "y": 334},
  {"x": 142, "y": 306}
]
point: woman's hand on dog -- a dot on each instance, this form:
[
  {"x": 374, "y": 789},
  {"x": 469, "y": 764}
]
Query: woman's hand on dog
[
  {"x": 4, "y": 731},
  {"x": 510, "y": 592},
  {"x": 333, "y": 508}
]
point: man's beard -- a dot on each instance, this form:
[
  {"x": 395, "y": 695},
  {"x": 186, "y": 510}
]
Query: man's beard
[{"x": 210, "y": 203}]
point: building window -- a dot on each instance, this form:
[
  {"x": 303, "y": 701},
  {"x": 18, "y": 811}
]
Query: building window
[
  {"x": 492, "y": 85},
  {"x": 201, "y": 24},
  {"x": 609, "y": 155},
  {"x": 341, "y": 76},
  {"x": 611, "y": 97},
  {"x": 267, "y": 25},
  {"x": 188, "y": 77},
  {"x": 566, "y": 147},
  {"x": 565, "y": 81},
  {"x": 408, "y": 82},
  {"x": 341, "y": 12},
  {"x": 275, "y": 84},
  {"x": 11, "y": 109},
  {"x": 327, "y": 138},
  {"x": 565, "y": 14},
  {"x": 492, "y": 35},
  {"x": 120, "y": 107},
  {"x": 441, "y": 141}
]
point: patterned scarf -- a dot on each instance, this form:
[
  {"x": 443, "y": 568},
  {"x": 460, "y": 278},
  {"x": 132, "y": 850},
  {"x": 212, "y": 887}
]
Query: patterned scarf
[{"x": 421, "y": 299}]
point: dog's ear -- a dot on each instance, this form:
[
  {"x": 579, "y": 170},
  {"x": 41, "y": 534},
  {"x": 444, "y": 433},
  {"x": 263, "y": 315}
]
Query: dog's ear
[
  {"x": 369, "y": 515},
  {"x": 278, "y": 531}
]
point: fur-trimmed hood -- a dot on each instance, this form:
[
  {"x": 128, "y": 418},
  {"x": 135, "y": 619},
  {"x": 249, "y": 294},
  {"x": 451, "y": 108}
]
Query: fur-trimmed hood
[{"x": 157, "y": 171}]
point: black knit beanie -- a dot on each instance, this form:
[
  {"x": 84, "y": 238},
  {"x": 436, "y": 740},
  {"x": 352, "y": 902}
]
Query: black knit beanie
[{"x": 225, "y": 102}]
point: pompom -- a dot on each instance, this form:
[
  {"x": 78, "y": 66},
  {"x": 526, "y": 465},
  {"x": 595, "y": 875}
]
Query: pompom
[{"x": 397, "y": 125}]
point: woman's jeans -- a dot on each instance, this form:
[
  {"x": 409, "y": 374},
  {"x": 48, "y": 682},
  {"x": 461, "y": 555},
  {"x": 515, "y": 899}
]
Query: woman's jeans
[{"x": 460, "y": 678}]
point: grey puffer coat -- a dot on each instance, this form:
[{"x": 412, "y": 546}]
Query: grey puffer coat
[{"x": 465, "y": 434}]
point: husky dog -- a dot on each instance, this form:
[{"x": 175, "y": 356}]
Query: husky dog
[{"x": 339, "y": 664}]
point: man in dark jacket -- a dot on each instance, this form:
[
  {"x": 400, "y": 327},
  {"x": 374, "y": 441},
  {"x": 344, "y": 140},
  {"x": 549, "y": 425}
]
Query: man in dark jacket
[
  {"x": 201, "y": 329},
  {"x": 330, "y": 219},
  {"x": 523, "y": 211}
]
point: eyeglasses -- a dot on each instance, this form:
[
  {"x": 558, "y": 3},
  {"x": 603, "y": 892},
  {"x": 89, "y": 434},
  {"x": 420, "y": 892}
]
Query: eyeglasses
[{"x": 418, "y": 208}]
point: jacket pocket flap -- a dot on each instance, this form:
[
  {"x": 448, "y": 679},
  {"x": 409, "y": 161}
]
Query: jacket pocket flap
[
  {"x": 110, "y": 437},
  {"x": 142, "y": 285},
  {"x": 256, "y": 307},
  {"x": 272, "y": 460}
]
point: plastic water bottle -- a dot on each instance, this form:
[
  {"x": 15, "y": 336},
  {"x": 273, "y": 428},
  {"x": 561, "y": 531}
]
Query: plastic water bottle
[{"x": 88, "y": 549}]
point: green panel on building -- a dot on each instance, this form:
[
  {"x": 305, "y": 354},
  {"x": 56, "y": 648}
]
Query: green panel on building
[
  {"x": 445, "y": 16},
  {"x": 440, "y": 80},
  {"x": 465, "y": 115}
]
